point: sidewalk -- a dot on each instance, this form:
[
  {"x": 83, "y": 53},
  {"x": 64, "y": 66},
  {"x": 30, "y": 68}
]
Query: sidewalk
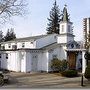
[{"x": 44, "y": 80}]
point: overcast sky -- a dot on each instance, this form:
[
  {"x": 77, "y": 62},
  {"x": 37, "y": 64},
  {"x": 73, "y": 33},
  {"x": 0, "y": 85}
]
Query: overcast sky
[{"x": 35, "y": 22}]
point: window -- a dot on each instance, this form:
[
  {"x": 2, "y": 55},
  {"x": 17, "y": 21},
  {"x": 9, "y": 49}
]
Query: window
[
  {"x": 14, "y": 46},
  {"x": 72, "y": 45},
  {"x": 50, "y": 51},
  {"x": 2, "y": 47},
  {"x": 0, "y": 56},
  {"x": 9, "y": 45},
  {"x": 31, "y": 42},
  {"x": 23, "y": 44},
  {"x": 68, "y": 28},
  {"x": 6, "y": 56},
  {"x": 35, "y": 56},
  {"x": 54, "y": 56},
  {"x": 62, "y": 28}
]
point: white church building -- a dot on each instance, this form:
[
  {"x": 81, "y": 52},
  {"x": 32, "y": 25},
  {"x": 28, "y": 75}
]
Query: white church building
[{"x": 36, "y": 52}]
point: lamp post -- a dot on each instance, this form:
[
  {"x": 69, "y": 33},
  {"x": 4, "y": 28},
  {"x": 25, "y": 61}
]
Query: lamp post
[{"x": 82, "y": 80}]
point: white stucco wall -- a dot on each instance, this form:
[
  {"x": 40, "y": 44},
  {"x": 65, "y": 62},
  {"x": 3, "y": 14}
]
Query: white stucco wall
[
  {"x": 28, "y": 61},
  {"x": 67, "y": 27},
  {"x": 12, "y": 62},
  {"x": 64, "y": 38},
  {"x": 22, "y": 57},
  {"x": 16, "y": 61},
  {"x": 40, "y": 62},
  {"x": 44, "y": 61}
]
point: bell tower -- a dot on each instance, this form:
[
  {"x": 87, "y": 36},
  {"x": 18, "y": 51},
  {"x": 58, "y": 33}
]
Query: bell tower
[{"x": 66, "y": 29}]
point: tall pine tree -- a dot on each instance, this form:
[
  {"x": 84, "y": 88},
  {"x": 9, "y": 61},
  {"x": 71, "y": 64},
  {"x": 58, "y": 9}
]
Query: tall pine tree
[
  {"x": 53, "y": 25},
  {"x": 1, "y": 37},
  {"x": 10, "y": 35}
]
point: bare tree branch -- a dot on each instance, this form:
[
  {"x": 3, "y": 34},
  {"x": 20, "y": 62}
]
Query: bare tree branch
[{"x": 9, "y": 8}]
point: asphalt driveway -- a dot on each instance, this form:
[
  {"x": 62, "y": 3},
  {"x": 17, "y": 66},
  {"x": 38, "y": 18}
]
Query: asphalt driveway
[{"x": 43, "y": 80}]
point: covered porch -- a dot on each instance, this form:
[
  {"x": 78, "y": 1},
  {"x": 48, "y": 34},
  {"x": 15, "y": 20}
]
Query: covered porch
[{"x": 76, "y": 59}]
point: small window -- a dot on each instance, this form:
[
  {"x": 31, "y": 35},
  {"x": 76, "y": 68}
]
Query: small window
[
  {"x": 0, "y": 46},
  {"x": 31, "y": 42},
  {"x": 3, "y": 47},
  {"x": 23, "y": 44},
  {"x": 62, "y": 28},
  {"x": 14, "y": 46},
  {"x": 51, "y": 51},
  {"x": 35, "y": 56},
  {"x": 6, "y": 56},
  {"x": 9, "y": 45},
  {"x": 54, "y": 56},
  {"x": 0, "y": 56}
]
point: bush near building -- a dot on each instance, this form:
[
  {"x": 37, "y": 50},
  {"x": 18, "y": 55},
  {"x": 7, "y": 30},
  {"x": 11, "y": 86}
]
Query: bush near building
[
  {"x": 1, "y": 79},
  {"x": 87, "y": 72},
  {"x": 58, "y": 65},
  {"x": 69, "y": 73}
]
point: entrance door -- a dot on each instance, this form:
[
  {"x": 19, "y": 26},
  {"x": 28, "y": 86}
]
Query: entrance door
[
  {"x": 72, "y": 60},
  {"x": 34, "y": 62}
]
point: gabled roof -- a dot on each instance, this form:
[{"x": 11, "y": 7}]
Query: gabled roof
[
  {"x": 68, "y": 34},
  {"x": 26, "y": 38},
  {"x": 70, "y": 43},
  {"x": 50, "y": 46}
]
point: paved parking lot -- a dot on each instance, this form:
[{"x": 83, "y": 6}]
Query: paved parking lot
[{"x": 42, "y": 80}]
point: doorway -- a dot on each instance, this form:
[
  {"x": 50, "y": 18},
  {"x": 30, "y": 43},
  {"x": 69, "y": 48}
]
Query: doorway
[
  {"x": 72, "y": 60},
  {"x": 34, "y": 63}
]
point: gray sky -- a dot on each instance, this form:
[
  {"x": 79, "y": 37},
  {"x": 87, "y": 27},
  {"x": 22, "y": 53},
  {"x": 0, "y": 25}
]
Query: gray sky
[{"x": 35, "y": 22}]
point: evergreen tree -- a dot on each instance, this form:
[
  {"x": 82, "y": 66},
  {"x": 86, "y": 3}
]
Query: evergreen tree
[
  {"x": 10, "y": 35},
  {"x": 1, "y": 36},
  {"x": 53, "y": 25}
]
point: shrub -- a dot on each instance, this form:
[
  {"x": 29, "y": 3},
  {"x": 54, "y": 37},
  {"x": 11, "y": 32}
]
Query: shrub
[
  {"x": 1, "y": 79},
  {"x": 5, "y": 71},
  {"x": 1, "y": 75},
  {"x": 69, "y": 73},
  {"x": 87, "y": 71},
  {"x": 87, "y": 55},
  {"x": 64, "y": 65},
  {"x": 58, "y": 65}
]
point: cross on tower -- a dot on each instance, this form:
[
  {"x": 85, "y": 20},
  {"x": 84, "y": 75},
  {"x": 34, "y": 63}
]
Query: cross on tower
[{"x": 65, "y": 5}]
